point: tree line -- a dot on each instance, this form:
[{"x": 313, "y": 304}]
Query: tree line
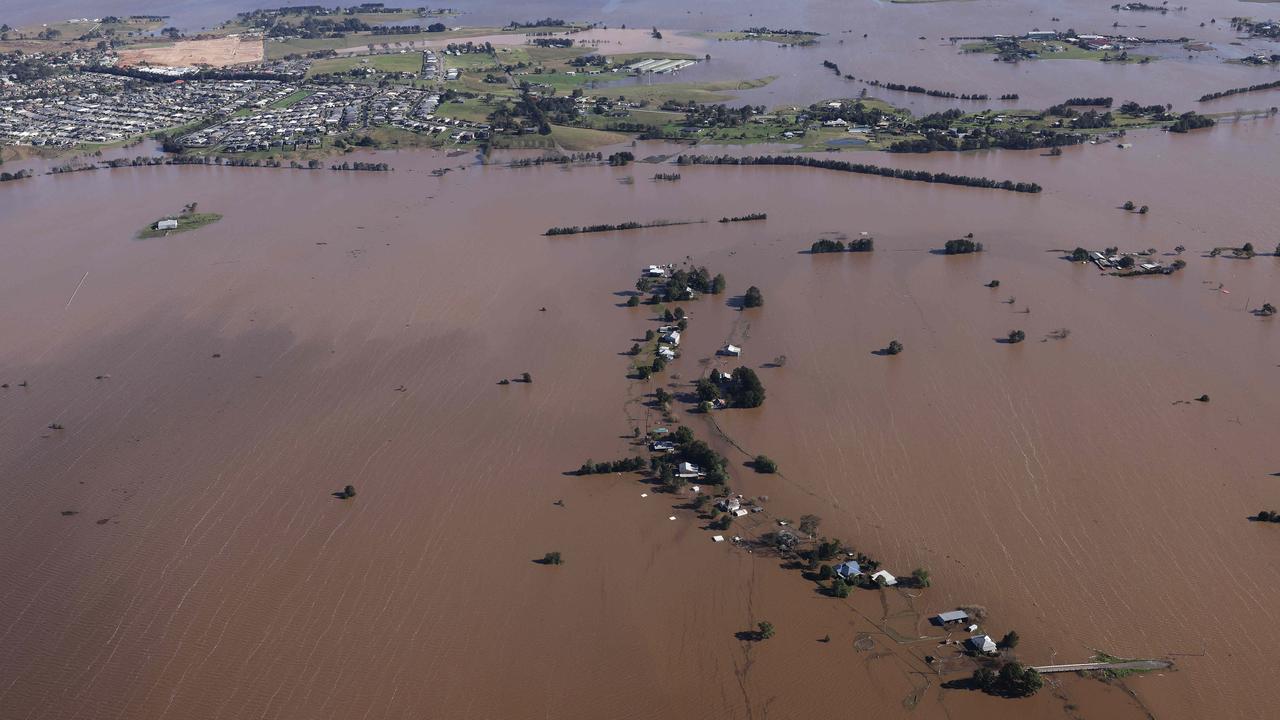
[
  {"x": 610, "y": 227},
  {"x": 1089, "y": 101},
  {"x": 631, "y": 464},
  {"x": 1236, "y": 91},
  {"x": 862, "y": 169},
  {"x": 744, "y": 218}
]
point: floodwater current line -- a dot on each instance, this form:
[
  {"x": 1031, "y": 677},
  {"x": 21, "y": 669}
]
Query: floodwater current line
[{"x": 73, "y": 294}]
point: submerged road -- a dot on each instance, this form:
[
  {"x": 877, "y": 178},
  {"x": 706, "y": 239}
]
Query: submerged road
[{"x": 1126, "y": 665}]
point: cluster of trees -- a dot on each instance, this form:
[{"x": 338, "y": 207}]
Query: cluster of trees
[
  {"x": 544, "y": 22},
  {"x": 1133, "y": 109},
  {"x": 620, "y": 159},
  {"x": 764, "y": 464},
  {"x": 720, "y": 116},
  {"x": 962, "y": 246},
  {"x": 1191, "y": 121},
  {"x": 741, "y": 388},
  {"x": 1267, "y": 310},
  {"x": 1236, "y": 91},
  {"x": 697, "y": 279},
  {"x": 363, "y": 166},
  {"x": 670, "y": 177},
  {"x": 893, "y": 348},
  {"x": 691, "y": 450},
  {"x": 865, "y": 244},
  {"x": 855, "y": 114},
  {"x": 752, "y": 298},
  {"x": 1013, "y": 680},
  {"x": 1017, "y": 336},
  {"x": 1091, "y": 120},
  {"x": 861, "y": 168},
  {"x": 470, "y": 48},
  {"x": 553, "y": 42},
  {"x": 552, "y": 558},
  {"x": 632, "y": 464},
  {"x": 744, "y": 218},
  {"x": 9, "y": 176},
  {"x": 589, "y": 60},
  {"x": 1268, "y": 516}
]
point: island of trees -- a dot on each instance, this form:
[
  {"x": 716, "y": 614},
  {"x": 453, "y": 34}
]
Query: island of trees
[
  {"x": 864, "y": 244},
  {"x": 962, "y": 246}
]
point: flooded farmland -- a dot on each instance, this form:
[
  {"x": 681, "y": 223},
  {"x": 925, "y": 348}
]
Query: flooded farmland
[
  {"x": 179, "y": 412},
  {"x": 339, "y": 330}
]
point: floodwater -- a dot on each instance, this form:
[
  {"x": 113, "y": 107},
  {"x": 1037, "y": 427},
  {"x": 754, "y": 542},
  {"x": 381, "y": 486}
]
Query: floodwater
[
  {"x": 350, "y": 328},
  {"x": 174, "y": 551}
]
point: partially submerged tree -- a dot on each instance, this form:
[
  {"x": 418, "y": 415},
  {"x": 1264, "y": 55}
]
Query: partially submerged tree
[
  {"x": 753, "y": 297},
  {"x": 764, "y": 464},
  {"x": 1017, "y": 336}
]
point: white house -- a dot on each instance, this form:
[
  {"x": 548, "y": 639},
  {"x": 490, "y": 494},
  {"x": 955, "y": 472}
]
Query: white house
[
  {"x": 672, "y": 337},
  {"x": 885, "y": 576},
  {"x": 981, "y": 643},
  {"x": 688, "y": 470},
  {"x": 167, "y": 224}
]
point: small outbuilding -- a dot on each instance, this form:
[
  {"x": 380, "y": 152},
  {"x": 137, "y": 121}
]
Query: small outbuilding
[
  {"x": 731, "y": 350},
  {"x": 951, "y": 616},
  {"x": 167, "y": 224}
]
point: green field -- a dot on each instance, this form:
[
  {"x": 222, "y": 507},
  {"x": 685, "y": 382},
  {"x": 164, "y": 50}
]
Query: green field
[
  {"x": 408, "y": 62},
  {"x": 300, "y": 46},
  {"x": 296, "y": 97},
  {"x": 186, "y": 222},
  {"x": 778, "y": 38},
  {"x": 705, "y": 92}
]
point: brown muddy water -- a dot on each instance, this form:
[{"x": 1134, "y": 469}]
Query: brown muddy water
[{"x": 216, "y": 387}]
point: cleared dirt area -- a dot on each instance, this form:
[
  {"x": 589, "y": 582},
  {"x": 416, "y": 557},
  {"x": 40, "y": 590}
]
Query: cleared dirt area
[{"x": 216, "y": 52}]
